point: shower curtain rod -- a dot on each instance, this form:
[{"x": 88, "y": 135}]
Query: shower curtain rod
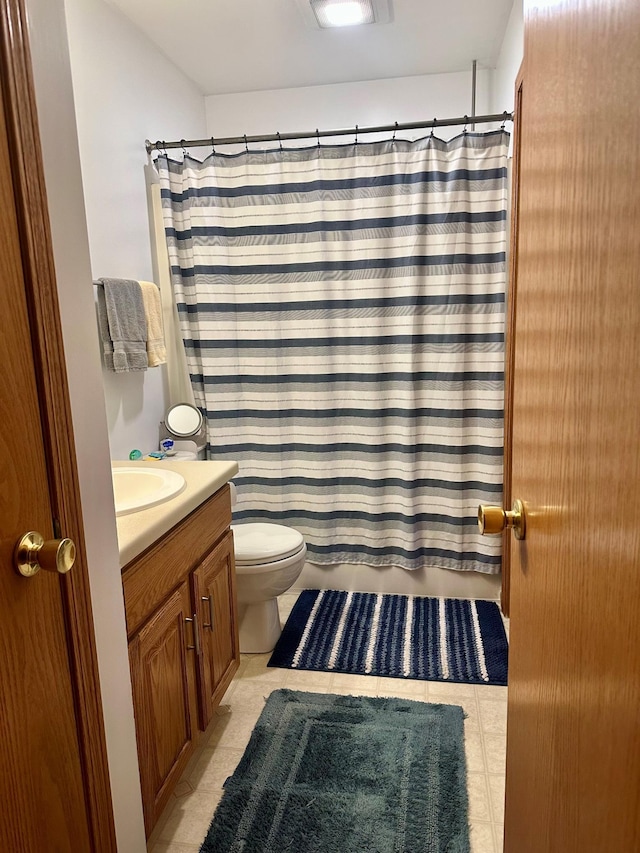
[{"x": 160, "y": 145}]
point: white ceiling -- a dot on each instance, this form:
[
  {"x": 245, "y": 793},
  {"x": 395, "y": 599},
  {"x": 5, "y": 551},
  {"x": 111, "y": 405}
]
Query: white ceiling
[{"x": 229, "y": 46}]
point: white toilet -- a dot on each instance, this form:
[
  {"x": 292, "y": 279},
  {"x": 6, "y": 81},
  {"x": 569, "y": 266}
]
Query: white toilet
[{"x": 269, "y": 559}]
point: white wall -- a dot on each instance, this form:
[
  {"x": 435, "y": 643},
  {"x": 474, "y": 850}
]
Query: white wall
[
  {"x": 64, "y": 190},
  {"x": 343, "y": 105},
  {"x": 509, "y": 60},
  {"x": 125, "y": 92}
]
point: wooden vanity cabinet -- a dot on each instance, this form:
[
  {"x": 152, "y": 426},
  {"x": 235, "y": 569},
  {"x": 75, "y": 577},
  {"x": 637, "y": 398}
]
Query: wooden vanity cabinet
[
  {"x": 180, "y": 603},
  {"x": 214, "y": 591},
  {"x": 162, "y": 661}
]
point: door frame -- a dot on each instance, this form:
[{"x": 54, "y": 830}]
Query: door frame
[
  {"x": 510, "y": 344},
  {"x": 55, "y": 411}
]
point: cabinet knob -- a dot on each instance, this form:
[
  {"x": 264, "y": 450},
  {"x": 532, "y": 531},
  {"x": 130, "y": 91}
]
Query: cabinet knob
[
  {"x": 209, "y": 624},
  {"x": 196, "y": 633}
]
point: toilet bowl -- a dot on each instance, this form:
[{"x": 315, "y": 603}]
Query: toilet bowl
[{"x": 269, "y": 559}]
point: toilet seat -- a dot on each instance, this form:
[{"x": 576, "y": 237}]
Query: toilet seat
[{"x": 257, "y": 543}]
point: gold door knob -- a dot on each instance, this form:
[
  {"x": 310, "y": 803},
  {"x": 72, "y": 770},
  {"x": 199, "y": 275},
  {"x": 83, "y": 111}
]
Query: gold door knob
[
  {"x": 32, "y": 553},
  {"x": 494, "y": 519}
]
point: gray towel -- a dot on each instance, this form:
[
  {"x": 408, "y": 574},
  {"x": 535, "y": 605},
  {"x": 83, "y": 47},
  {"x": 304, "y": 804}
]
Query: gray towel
[
  {"x": 103, "y": 326},
  {"x": 127, "y": 325}
]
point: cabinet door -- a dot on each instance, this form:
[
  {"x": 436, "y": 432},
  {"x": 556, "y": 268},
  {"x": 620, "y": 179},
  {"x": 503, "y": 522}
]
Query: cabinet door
[
  {"x": 164, "y": 693},
  {"x": 215, "y": 597}
]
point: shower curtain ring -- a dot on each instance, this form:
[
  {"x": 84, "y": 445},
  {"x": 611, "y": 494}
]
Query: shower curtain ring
[
  {"x": 246, "y": 144},
  {"x": 504, "y": 120},
  {"x": 318, "y": 136},
  {"x": 434, "y": 121},
  {"x": 395, "y": 130},
  {"x": 213, "y": 145},
  {"x": 184, "y": 150},
  {"x": 466, "y": 120},
  {"x": 356, "y": 134},
  {"x": 279, "y": 139}
]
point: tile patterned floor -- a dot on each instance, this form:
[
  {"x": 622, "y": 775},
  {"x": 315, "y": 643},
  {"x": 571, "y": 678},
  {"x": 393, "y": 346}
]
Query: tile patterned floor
[{"x": 184, "y": 823}]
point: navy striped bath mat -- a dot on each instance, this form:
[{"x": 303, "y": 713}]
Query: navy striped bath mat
[{"x": 398, "y": 636}]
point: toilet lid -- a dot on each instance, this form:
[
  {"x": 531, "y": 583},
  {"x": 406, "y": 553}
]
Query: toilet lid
[{"x": 256, "y": 542}]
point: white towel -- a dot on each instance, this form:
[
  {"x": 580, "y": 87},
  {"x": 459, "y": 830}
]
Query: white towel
[{"x": 156, "y": 352}]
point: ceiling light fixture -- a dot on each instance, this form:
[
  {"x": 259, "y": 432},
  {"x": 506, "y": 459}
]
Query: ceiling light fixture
[
  {"x": 343, "y": 13},
  {"x": 326, "y": 14}
]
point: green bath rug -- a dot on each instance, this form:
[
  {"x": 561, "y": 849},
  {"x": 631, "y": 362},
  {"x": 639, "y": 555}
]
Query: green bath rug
[{"x": 347, "y": 774}]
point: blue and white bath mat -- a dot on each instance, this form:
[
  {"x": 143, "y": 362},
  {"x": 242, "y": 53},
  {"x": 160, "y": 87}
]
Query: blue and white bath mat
[{"x": 399, "y": 636}]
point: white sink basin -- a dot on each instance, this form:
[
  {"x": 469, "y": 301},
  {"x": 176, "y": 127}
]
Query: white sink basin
[{"x": 135, "y": 489}]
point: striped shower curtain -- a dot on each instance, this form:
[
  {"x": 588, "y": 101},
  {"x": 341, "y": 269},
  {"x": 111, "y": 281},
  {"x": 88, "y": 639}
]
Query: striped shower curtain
[{"x": 342, "y": 309}]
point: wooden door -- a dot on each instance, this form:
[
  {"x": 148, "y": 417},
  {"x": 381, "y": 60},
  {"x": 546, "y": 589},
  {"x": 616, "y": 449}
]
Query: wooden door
[
  {"x": 573, "y": 742},
  {"x": 161, "y": 657},
  {"x": 54, "y": 785},
  {"x": 214, "y": 594}
]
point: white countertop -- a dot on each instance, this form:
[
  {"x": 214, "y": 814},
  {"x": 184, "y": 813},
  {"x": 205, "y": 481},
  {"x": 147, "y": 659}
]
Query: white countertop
[{"x": 138, "y": 530}]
